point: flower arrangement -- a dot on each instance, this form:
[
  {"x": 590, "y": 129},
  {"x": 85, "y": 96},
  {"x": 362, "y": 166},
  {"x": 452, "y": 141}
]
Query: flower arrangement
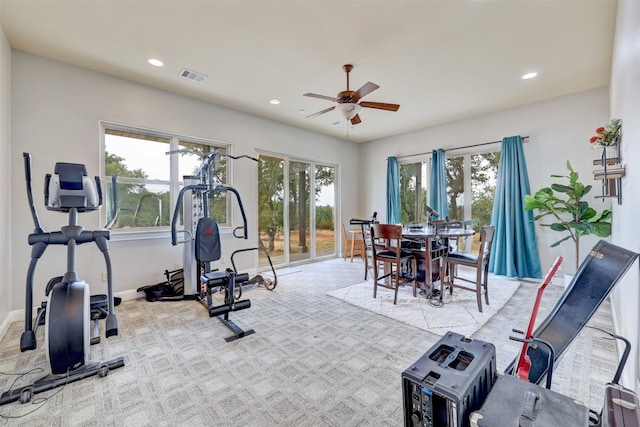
[{"x": 607, "y": 135}]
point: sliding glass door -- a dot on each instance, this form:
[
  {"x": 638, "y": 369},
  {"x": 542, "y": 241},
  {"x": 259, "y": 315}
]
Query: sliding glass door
[
  {"x": 287, "y": 209},
  {"x": 299, "y": 212},
  {"x": 271, "y": 209},
  {"x": 325, "y": 210}
]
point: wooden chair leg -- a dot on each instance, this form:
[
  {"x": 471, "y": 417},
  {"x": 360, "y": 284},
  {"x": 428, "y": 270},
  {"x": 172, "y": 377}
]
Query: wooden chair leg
[
  {"x": 449, "y": 266},
  {"x": 375, "y": 278},
  {"x": 366, "y": 267},
  {"x": 479, "y": 289},
  {"x": 395, "y": 295},
  {"x": 396, "y": 286},
  {"x": 486, "y": 283}
]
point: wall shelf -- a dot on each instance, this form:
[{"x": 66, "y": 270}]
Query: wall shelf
[{"x": 611, "y": 174}]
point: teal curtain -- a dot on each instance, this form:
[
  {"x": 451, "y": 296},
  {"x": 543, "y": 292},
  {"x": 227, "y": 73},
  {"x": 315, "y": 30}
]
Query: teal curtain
[
  {"x": 515, "y": 249},
  {"x": 438, "y": 192},
  {"x": 393, "y": 192}
]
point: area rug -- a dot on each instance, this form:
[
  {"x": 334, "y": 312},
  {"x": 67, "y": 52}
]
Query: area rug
[{"x": 459, "y": 313}]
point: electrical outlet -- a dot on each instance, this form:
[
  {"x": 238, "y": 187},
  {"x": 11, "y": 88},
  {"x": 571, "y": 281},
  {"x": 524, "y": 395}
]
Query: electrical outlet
[
  {"x": 104, "y": 276},
  {"x": 223, "y": 260},
  {"x": 177, "y": 265}
]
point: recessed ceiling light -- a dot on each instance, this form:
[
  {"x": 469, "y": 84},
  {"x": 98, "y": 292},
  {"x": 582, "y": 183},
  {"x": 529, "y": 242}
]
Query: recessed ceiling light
[
  {"x": 301, "y": 111},
  {"x": 274, "y": 102},
  {"x": 529, "y": 75},
  {"x": 155, "y": 62}
]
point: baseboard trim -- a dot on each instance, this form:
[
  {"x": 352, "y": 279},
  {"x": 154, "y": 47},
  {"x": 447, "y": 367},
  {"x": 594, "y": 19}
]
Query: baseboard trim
[{"x": 18, "y": 315}]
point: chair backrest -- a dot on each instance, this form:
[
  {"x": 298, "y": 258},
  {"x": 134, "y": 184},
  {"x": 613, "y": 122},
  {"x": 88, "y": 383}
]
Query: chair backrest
[
  {"x": 441, "y": 224},
  {"x": 386, "y": 237},
  {"x": 486, "y": 242}
]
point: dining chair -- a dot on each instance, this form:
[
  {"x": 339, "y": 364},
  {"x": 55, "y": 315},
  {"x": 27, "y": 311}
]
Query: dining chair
[
  {"x": 352, "y": 244},
  {"x": 442, "y": 224},
  {"x": 465, "y": 244},
  {"x": 387, "y": 253},
  {"x": 368, "y": 250},
  {"x": 479, "y": 261}
]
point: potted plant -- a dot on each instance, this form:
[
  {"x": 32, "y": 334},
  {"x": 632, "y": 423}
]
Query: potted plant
[{"x": 569, "y": 213}]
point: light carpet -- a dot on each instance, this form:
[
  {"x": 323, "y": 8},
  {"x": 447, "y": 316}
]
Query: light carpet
[{"x": 458, "y": 313}]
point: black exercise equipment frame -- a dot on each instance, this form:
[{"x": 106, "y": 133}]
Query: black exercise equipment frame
[
  {"x": 226, "y": 280},
  {"x": 70, "y": 236}
]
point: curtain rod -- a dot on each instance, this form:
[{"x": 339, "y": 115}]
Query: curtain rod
[{"x": 524, "y": 139}]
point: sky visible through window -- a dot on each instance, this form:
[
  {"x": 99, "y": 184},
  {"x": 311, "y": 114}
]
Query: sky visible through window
[{"x": 150, "y": 156}]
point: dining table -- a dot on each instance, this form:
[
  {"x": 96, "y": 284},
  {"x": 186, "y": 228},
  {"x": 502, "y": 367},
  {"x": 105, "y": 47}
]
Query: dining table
[{"x": 434, "y": 245}]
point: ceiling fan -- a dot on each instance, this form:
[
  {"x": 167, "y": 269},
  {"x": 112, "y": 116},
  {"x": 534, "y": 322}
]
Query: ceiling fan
[{"x": 348, "y": 100}]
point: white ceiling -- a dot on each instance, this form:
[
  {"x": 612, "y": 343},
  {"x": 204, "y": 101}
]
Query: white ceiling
[{"x": 440, "y": 60}]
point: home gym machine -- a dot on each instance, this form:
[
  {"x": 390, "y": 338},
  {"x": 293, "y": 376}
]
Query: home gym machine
[
  {"x": 202, "y": 244},
  {"x": 69, "y": 307}
]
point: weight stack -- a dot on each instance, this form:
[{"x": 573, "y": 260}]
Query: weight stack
[{"x": 448, "y": 382}]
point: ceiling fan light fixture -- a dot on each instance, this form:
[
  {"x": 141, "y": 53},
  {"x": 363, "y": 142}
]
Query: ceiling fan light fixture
[{"x": 348, "y": 110}]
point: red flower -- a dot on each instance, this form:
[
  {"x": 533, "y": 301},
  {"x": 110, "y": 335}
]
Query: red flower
[
  {"x": 593, "y": 139},
  {"x": 600, "y": 130}
]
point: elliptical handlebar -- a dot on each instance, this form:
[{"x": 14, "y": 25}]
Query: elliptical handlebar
[
  {"x": 70, "y": 236},
  {"x": 32, "y": 206}
]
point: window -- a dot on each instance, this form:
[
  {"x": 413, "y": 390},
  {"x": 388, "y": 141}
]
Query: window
[
  {"x": 413, "y": 191},
  {"x": 149, "y": 180},
  {"x": 471, "y": 184}
]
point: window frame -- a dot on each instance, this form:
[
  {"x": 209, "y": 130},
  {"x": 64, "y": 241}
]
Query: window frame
[
  {"x": 174, "y": 183},
  {"x": 466, "y": 153}
]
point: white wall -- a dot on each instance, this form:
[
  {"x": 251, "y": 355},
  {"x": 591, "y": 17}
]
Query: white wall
[
  {"x": 559, "y": 130},
  {"x": 5, "y": 179},
  {"x": 625, "y": 103},
  {"x": 56, "y": 111}
]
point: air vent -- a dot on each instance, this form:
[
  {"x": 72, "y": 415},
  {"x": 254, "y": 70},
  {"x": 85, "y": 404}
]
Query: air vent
[{"x": 192, "y": 75}]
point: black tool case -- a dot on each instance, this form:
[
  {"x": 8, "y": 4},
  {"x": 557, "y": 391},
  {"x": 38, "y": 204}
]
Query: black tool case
[
  {"x": 448, "y": 382},
  {"x": 513, "y": 402}
]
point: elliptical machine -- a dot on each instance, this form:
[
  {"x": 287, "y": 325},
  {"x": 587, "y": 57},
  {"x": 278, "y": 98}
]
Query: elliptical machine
[{"x": 69, "y": 308}]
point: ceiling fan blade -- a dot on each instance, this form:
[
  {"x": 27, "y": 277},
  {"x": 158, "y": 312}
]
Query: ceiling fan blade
[
  {"x": 380, "y": 106},
  {"x": 326, "y": 110},
  {"x": 356, "y": 120},
  {"x": 315, "y": 95},
  {"x": 366, "y": 89}
]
